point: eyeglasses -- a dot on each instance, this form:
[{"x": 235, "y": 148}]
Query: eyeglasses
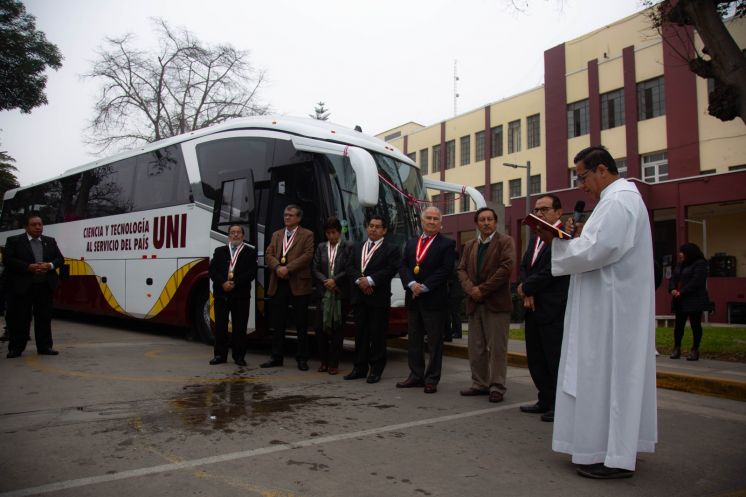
[
  {"x": 581, "y": 177},
  {"x": 543, "y": 210}
]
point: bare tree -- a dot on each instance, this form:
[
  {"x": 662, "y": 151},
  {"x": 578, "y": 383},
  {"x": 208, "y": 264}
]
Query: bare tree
[
  {"x": 721, "y": 59},
  {"x": 187, "y": 85}
]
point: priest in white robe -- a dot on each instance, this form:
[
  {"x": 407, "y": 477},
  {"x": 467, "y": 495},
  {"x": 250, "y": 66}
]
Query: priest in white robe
[{"x": 606, "y": 393}]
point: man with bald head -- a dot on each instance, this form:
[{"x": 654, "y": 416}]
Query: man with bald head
[{"x": 428, "y": 262}]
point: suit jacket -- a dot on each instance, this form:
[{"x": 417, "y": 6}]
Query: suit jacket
[
  {"x": 381, "y": 268},
  {"x": 18, "y": 257},
  {"x": 549, "y": 292},
  {"x": 299, "y": 259},
  {"x": 496, "y": 270},
  {"x": 320, "y": 267},
  {"x": 243, "y": 273},
  {"x": 435, "y": 270},
  {"x": 691, "y": 281}
]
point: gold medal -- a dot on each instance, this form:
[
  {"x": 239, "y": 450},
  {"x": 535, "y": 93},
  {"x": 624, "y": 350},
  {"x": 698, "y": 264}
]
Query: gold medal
[
  {"x": 230, "y": 275},
  {"x": 283, "y": 260},
  {"x": 417, "y": 270}
]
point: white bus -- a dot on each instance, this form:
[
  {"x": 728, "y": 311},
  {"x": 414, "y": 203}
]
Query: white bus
[{"x": 137, "y": 229}]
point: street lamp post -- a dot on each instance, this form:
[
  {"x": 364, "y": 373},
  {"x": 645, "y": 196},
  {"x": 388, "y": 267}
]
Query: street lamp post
[{"x": 527, "y": 167}]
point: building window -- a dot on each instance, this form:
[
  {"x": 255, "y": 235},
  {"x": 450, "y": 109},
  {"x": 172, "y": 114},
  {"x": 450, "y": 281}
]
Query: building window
[
  {"x": 573, "y": 178},
  {"x": 514, "y": 188},
  {"x": 496, "y": 189},
  {"x": 479, "y": 143},
  {"x": 496, "y": 137},
  {"x": 465, "y": 202},
  {"x": 651, "y": 99},
  {"x": 449, "y": 203},
  {"x": 577, "y": 119},
  {"x": 465, "y": 150},
  {"x": 535, "y": 186},
  {"x": 514, "y": 136},
  {"x": 612, "y": 109},
  {"x": 436, "y": 158},
  {"x": 423, "y": 161},
  {"x": 435, "y": 200},
  {"x": 413, "y": 156},
  {"x": 533, "y": 131},
  {"x": 450, "y": 154},
  {"x": 655, "y": 167},
  {"x": 621, "y": 165},
  {"x": 392, "y": 136}
]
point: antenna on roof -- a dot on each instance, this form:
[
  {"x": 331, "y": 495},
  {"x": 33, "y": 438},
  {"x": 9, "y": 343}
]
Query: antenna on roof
[{"x": 358, "y": 128}]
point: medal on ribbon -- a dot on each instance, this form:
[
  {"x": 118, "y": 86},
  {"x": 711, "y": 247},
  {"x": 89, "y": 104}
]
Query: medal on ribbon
[
  {"x": 367, "y": 254},
  {"x": 234, "y": 259},
  {"x": 332, "y": 253},
  {"x": 421, "y": 252},
  {"x": 286, "y": 244}
]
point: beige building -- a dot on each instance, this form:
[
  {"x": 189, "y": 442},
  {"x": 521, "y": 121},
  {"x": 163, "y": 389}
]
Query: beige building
[{"x": 623, "y": 86}]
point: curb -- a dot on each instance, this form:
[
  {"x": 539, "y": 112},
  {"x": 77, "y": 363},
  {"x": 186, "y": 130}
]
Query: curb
[{"x": 699, "y": 385}]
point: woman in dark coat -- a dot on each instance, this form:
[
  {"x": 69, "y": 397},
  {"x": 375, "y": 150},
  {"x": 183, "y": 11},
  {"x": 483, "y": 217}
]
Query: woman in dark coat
[
  {"x": 330, "y": 265},
  {"x": 688, "y": 288}
]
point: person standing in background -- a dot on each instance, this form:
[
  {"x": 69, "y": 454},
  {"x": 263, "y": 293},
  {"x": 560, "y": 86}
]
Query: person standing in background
[{"x": 688, "y": 287}]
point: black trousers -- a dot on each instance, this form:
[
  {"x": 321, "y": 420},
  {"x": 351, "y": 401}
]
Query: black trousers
[
  {"x": 238, "y": 308},
  {"x": 695, "y": 320},
  {"x": 330, "y": 341},
  {"x": 372, "y": 325},
  {"x": 281, "y": 301},
  {"x": 36, "y": 303},
  {"x": 543, "y": 350},
  {"x": 430, "y": 323}
]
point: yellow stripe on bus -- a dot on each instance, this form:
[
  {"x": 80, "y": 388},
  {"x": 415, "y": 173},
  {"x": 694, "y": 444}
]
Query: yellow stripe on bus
[
  {"x": 82, "y": 268},
  {"x": 169, "y": 289}
]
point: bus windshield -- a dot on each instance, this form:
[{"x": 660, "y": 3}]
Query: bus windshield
[{"x": 393, "y": 205}]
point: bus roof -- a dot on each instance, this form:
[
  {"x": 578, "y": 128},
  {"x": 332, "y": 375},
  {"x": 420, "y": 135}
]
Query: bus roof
[{"x": 306, "y": 127}]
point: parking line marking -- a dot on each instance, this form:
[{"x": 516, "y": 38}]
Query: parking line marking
[{"x": 233, "y": 456}]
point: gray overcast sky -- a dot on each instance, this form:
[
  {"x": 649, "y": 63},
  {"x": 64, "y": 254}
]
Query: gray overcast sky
[{"x": 375, "y": 63}]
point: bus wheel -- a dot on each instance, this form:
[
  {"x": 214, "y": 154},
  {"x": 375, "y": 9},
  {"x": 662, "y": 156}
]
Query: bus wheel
[{"x": 201, "y": 317}]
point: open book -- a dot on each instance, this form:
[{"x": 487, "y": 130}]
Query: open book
[{"x": 535, "y": 222}]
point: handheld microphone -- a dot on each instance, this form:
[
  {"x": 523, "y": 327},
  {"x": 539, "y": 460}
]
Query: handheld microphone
[{"x": 577, "y": 215}]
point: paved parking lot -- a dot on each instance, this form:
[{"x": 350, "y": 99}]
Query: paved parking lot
[{"x": 122, "y": 412}]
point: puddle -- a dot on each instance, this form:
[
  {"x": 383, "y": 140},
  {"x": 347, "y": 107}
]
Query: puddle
[{"x": 223, "y": 406}]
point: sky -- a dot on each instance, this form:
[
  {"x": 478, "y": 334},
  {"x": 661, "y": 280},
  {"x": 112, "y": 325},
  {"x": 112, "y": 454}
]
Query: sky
[{"x": 377, "y": 64}]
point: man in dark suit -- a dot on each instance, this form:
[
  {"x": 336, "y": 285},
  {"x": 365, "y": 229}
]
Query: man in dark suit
[
  {"x": 232, "y": 269},
  {"x": 426, "y": 266},
  {"x": 544, "y": 298},
  {"x": 374, "y": 264},
  {"x": 288, "y": 257},
  {"x": 31, "y": 263}
]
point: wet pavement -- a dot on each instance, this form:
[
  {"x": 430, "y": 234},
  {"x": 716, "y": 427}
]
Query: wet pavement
[{"x": 123, "y": 412}]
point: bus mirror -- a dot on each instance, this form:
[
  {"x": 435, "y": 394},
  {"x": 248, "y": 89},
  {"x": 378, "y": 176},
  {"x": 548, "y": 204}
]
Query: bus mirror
[{"x": 366, "y": 175}]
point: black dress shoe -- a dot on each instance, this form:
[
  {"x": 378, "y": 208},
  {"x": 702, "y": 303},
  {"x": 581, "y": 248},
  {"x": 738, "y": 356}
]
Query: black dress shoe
[
  {"x": 601, "y": 472},
  {"x": 355, "y": 375},
  {"x": 430, "y": 388},
  {"x": 217, "y": 360},
  {"x": 548, "y": 417},
  {"x": 272, "y": 363},
  {"x": 303, "y": 365},
  {"x": 373, "y": 378},
  {"x": 240, "y": 362},
  {"x": 47, "y": 352},
  {"x": 410, "y": 383},
  {"x": 535, "y": 409},
  {"x": 12, "y": 354}
]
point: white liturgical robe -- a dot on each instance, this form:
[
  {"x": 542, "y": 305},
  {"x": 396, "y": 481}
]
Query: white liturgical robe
[{"x": 606, "y": 399}]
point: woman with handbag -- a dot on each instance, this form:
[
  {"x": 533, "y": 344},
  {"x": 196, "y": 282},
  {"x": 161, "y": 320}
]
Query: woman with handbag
[{"x": 688, "y": 287}]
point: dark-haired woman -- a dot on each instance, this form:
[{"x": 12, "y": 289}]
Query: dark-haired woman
[
  {"x": 329, "y": 269},
  {"x": 688, "y": 288}
]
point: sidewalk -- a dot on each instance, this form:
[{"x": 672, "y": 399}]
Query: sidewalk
[{"x": 703, "y": 377}]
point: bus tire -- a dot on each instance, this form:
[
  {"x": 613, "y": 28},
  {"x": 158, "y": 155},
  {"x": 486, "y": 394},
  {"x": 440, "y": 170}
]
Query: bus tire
[{"x": 201, "y": 328}]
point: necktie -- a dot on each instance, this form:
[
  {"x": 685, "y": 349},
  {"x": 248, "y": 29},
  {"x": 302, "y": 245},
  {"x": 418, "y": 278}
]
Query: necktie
[
  {"x": 370, "y": 246},
  {"x": 37, "y": 249}
]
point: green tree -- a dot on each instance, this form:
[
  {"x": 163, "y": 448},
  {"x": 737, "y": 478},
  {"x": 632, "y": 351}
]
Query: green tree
[
  {"x": 320, "y": 112},
  {"x": 182, "y": 86},
  {"x": 721, "y": 59},
  {"x": 25, "y": 54},
  {"x": 8, "y": 178}
]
